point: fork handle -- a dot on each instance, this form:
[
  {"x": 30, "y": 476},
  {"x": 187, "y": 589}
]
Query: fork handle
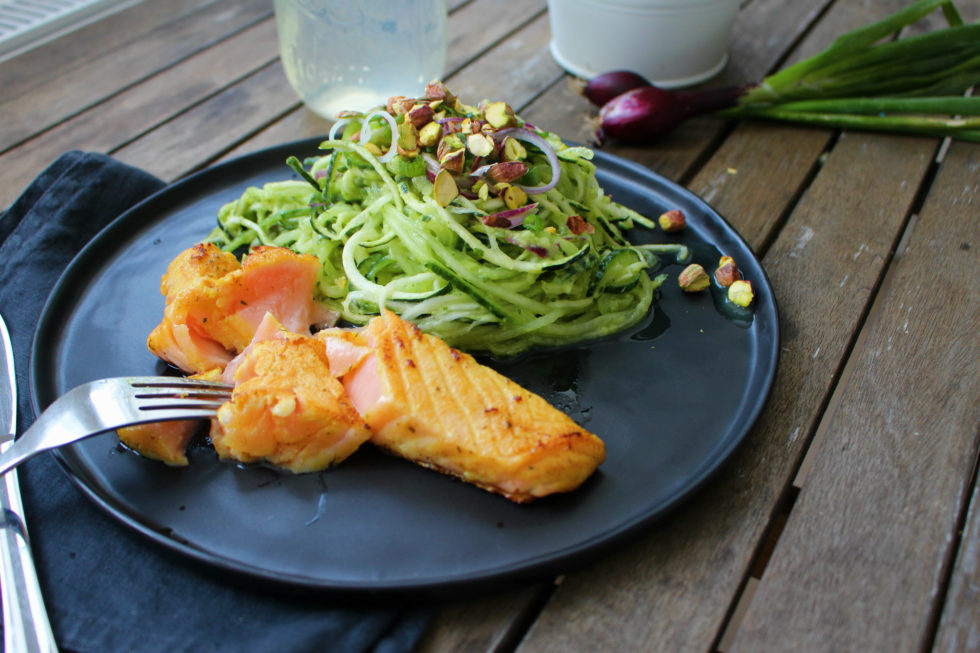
[
  {"x": 25, "y": 621},
  {"x": 36, "y": 439}
]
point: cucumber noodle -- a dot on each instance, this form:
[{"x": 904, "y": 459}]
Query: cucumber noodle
[{"x": 385, "y": 243}]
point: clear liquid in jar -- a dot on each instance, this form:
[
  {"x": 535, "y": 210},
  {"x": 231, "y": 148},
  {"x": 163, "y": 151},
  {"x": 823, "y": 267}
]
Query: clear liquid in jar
[{"x": 354, "y": 54}]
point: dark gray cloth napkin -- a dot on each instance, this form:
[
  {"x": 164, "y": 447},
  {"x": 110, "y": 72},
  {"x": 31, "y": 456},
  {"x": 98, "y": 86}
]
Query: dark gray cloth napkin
[{"x": 106, "y": 589}]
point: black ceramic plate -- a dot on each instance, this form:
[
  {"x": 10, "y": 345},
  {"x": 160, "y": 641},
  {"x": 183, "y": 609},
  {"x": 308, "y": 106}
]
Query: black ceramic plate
[{"x": 671, "y": 398}]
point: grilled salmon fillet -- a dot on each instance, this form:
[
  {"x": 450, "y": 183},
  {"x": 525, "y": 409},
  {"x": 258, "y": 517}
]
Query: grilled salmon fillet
[
  {"x": 440, "y": 408},
  {"x": 303, "y": 402},
  {"x": 214, "y": 305},
  {"x": 166, "y": 441},
  {"x": 287, "y": 409}
]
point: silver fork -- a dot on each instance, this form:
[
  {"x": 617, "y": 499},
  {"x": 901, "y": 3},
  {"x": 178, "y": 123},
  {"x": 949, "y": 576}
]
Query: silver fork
[{"x": 108, "y": 404}]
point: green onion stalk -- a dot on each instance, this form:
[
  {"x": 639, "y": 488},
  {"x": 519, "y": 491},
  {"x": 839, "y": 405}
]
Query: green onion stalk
[{"x": 871, "y": 78}]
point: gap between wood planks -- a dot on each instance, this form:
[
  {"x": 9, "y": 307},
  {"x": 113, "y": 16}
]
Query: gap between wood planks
[
  {"x": 786, "y": 503},
  {"x": 961, "y": 520},
  {"x": 140, "y": 80}
]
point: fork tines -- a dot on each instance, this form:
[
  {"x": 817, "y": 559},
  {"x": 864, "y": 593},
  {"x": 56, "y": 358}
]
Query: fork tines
[{"x": 177, "y": 394}]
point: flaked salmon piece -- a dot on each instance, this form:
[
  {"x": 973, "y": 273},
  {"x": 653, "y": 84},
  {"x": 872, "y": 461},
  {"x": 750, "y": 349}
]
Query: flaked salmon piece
[
  {"x": 184, "y": 345},
  {"x": 187, "y": 348},
  {"x": 346, "y": 349},
  {"x": 165, "y": 441},
  {"x": 436, "y": 406},
  {"x": 269, "y": 329},
  {"x": 202, "y": 261},
  {"x": 214, "y": 305},
  {"x": 286, "y": 408},
  {"x": 272, "y": 280}
]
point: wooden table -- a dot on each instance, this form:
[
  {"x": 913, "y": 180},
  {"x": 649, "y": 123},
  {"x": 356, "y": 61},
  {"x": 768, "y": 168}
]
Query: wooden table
[{"x": 849, "y": 520}]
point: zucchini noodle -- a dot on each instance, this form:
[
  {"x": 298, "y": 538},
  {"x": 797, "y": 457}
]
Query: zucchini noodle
[{"x": 559, "y": 271}]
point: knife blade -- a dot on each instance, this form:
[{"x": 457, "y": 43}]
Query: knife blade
[
  {"x": 25, "y": 620},
  {"x": 8, "y": 387}
]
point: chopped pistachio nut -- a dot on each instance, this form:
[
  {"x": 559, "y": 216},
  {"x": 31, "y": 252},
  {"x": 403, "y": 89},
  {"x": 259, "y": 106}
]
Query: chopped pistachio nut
[
  {"x": 430, "y": 134},
  {"x": 399, "y": 104},
  {"x": 408, "y": 144},
  {"x": 373, "y": 149},
  {"x": 693, "y": 278},
  {"x": 514, "y": 197},
  {"x": 436, "y": 90},
  {"x": 727, "y": 272},
  {"x": 740, "y": 293},
  {"x": 448, "y": 143},
  {"x": 507, "y": 171},
  {"x": 480, "y": 144},
  {"x": 578, "y": 225},
  {"x": 672, "y": 220},
  {"x": 512, "y": 150},
  {"x": 420, "y": 115},
  {"x": 453, "y": 161},
  {"x": 444, "y": 188},
  {"x": 500, "y": 115},
  {"x": 481, "y": 189},
  {"x": 284, "y": 407}
]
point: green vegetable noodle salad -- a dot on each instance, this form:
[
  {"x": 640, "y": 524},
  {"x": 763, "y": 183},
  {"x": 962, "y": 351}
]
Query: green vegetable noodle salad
[{"x": 479, "y": 228}]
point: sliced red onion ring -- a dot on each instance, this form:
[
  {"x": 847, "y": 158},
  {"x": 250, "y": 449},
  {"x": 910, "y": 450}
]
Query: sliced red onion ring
[
  {"x": 482, "y": 170},
  {"x": 431, "y": 165},
  {"x": 340, "y": 124},
  {"x": 366, "y": 133},
  {"x": 451, "y": 123},
  {"x": 537, "y": 250},
  {"x": 543, "y": 145},
  {"x": 508, "y": 219}
]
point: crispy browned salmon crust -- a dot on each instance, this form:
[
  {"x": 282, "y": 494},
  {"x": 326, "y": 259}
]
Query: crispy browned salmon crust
[{"x": 440, "y": 408}]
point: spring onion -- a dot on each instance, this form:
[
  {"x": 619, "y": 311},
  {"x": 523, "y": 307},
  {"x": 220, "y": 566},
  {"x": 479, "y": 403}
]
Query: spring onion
[{"x": 865, "y": 79}]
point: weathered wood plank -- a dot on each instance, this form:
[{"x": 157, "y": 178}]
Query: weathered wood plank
[
  {"x": 68, "y": 94},
  {"x": 67, "y": 53},
  {"x": 486, "y": 623},
  {"x": 202, "y": 133},
  {"x": 127, "y": 115},
  {"x": 959, "y": 627},
  {"x": 754, "y": 176},
  {"x": 479, "y": 24},
  {"x": 870, "y": 538},
  {"x": 514, "y": 71}
]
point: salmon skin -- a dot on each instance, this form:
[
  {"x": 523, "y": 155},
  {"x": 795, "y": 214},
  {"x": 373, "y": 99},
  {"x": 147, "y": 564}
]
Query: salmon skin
[{"x": 438, "y": 407}]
